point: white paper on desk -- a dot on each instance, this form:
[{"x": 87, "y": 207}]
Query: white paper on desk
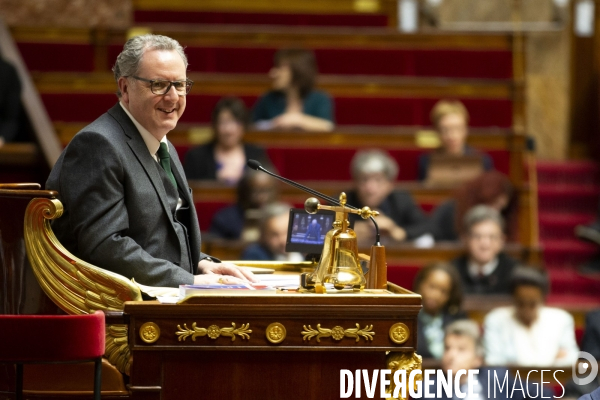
[
  {"x": 167, "y": 299},
  {"x": 280, "y": 280}
]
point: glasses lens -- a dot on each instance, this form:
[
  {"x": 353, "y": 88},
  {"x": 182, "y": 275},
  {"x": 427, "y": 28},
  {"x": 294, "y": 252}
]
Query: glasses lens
[{"x": 160, "y": 87}]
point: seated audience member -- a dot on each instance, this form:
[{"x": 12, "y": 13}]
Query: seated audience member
[
  {"x": 450, "y": 119},
  {"x": 439, "y": 286},
  {"x": 374, "y": 173},
  {"x": 589, "y": 344},
  {"x": 591, "y": 336},
  {"x": 463, "y": 350},
  {"x": 224, "y": 159},
  {"x": 294, "y": 103},
  {"x": 493, "y": 189},
  {"x": 591, "y": 233},
  {"x": 255, "y": 190},
  {"x": 273, "y": 235},
  {"x": 528, "y": 333},
  {"x": 10, "y": 102},
  {"x": 485, "y": 269}
]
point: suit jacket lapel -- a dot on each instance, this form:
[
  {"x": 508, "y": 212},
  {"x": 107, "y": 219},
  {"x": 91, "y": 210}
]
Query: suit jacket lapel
[{"x": 138, "y": 146}]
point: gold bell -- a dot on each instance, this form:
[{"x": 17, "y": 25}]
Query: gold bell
[{"x": 339, "y": 264}]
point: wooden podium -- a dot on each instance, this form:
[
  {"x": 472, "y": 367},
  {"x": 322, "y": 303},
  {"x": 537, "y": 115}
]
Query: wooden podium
[{"x": 272, "y": 346}]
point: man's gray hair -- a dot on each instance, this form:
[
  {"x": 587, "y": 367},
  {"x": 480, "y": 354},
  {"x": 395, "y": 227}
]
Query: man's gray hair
[
  {"x": 374, "y": 161},
  {"x": 272, "y": 210},
  {"x": 470, "y": 329},
  {"x": 482, "y": 213},
  {"x": 128, "y": 61}
]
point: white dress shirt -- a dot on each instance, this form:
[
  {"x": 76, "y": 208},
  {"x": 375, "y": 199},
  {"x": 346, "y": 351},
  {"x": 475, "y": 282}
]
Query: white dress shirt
[
  {"x": 508, "y": 342},
  {"x": 152, "y": 143},
  {"x": 475, "y": 270}
]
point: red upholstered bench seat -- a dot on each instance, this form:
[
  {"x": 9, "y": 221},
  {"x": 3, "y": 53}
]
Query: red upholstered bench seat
[
  {"x": 243, "y": 18},
  {"x": 451, "y": 63},
  {"x": 85, "y": 107}
]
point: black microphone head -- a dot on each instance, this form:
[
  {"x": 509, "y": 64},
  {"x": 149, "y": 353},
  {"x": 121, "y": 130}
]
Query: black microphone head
[{"x": 253, "y": 164}]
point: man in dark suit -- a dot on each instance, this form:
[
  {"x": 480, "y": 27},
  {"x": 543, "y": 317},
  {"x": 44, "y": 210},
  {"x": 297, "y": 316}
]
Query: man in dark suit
[
  {"x": 485, "y": 268},
  {"x": 128, "y": 207}
]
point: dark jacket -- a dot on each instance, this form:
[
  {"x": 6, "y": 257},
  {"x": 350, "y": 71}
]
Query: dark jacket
[
  {"x": 120, "y": 206},
  {"x": 10, "y": 101},
  {"x": 595, "y": 395},
  {"x": 591, "y": 336},
  {"x": 200, "y": 161},
  {"x": 257, "y": 252},
  {"x": 424, "y": 160},
  {"x": 401, "y": 208},
  {"x": 273, "y": 103},
  {"x": 228, "y": 222},
  {"x": 498, "y": 282},
  {"x": 442, "y": 222},
  {"x": 447, "y": 319}
]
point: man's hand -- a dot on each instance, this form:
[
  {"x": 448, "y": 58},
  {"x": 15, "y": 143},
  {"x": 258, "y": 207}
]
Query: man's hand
[
  {"x": 387, "y": 225},
  {"x": 224, "y": 272}
]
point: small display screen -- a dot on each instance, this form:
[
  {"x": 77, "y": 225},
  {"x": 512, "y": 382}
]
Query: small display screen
[{"x": 306, "y": 232}]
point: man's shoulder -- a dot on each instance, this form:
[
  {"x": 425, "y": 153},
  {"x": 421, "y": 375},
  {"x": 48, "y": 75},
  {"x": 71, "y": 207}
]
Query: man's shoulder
[
  {"x": 595, "y": 395},
  {"x": 105, "y": 126}
]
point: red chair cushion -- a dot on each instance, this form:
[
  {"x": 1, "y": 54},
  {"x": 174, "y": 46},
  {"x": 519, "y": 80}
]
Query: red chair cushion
[{"x": 51, "y": 338}]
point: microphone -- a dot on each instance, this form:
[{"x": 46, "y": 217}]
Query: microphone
[{"x": 257, "y": 166}]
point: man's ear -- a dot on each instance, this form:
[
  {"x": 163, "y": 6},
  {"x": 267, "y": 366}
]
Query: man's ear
[{"x": 124, "y": 89}]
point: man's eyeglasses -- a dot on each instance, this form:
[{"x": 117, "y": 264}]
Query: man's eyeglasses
[{"x": 161, "y": 87}]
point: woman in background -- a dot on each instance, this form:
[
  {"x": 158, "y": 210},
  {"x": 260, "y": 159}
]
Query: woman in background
[
  {"x": 439, "y": 285},
  {"x": 224, "y": 158},
  {"x": 293, "y": 103},
  {"x": 450, "y": 119},
  {"x": 492, "y": 189}
]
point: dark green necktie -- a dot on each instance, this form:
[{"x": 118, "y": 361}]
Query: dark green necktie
[{"x": 165, "y": 161}]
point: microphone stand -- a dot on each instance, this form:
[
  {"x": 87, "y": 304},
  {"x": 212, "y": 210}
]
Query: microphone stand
[{"x": 377, "y": 274}]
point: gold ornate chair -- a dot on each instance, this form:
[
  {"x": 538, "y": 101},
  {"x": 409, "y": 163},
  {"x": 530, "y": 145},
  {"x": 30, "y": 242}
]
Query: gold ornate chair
[{"x": 41, "y": 277}]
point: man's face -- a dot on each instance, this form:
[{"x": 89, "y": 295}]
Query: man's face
[
  {"x": 528, "y": 300},
  {"x": 275, "y": 234},
  {"x": 453, "y": 131},
  {"x": 157, "y": 113},
  {"x": 373, "y": 188},
  {"x": 484, "y": 242},
  {"x": 460, "y": 353}
]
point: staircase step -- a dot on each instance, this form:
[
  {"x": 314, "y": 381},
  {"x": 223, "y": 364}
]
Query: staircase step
[
  {"x": 563, "y": 254},
  {"x": 561, "y": 225},
  {"x": 566, "y": 281},
  {"x": 572, "y": 172},
  {"x": 568, "y": 198}
]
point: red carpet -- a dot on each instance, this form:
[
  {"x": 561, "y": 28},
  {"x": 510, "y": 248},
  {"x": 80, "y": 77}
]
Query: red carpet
[{"x": 568, "y": 196}]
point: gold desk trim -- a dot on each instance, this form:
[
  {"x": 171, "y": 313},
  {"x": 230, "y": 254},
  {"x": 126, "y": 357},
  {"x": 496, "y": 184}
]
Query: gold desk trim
[
  {"x": 213, "y": 332},
  {"x": 338, "y": 333},
  {"x": 149, "y": 332},
  {"x": 275, "y": 333},
  {"x": 399, "y": 333}
]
